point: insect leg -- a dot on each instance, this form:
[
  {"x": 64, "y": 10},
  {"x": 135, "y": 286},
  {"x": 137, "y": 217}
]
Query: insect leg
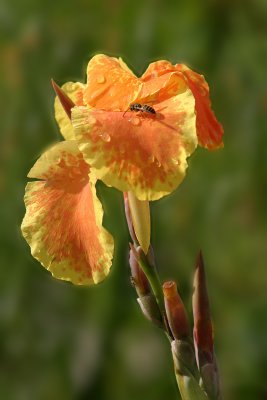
[{"x": 125, "y": 112}]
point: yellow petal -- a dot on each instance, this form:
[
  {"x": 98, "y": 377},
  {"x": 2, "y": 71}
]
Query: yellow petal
[
  {"x": 140, "y": 214},
  {"x": 63, "y": 221},
  {"x": 75, "y": 92}
]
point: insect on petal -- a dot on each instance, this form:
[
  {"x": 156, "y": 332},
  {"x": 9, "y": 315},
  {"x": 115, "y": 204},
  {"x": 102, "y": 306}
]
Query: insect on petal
[
  {"x": 139, "y": 153},
  {"x": 209, "y": 130},
  {"x": 63, "y": 221}
]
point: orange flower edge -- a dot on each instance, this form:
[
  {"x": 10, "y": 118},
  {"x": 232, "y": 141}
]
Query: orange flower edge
[
  {"x": 63, "y": 221},
  {"x": 209, "y": 130}
]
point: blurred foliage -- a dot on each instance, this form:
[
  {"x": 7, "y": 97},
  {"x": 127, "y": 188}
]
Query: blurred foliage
[{"x": 58, "y": 341}]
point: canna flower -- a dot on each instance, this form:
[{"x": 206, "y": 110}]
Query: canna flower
[
  {"x": 140, "y": 153},
  {"x": 137, "y": 152}
]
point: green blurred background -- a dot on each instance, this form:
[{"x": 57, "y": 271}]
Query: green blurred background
[{"x": 58, "y": 341}]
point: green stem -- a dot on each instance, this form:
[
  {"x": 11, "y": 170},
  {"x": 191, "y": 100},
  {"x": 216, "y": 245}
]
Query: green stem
[
  {"x": 189, "y": 388},
  {"x": 153, "y": 278},
  {"x": 187, "y": 383}
]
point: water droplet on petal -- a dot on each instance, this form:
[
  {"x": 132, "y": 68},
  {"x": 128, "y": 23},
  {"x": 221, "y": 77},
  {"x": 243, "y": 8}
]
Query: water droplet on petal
[
  {"x": 158, "y": 163},
  {"x": 135, "y": 121},
  {"x": 101, "y": 79},
  {"x": 105, "y": 137},
  {"x": 151, "y": 159},
  {"x": 175, "y": 162}
]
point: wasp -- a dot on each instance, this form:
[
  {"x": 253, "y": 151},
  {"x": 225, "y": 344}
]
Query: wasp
[{"x": 144, "y": 108}]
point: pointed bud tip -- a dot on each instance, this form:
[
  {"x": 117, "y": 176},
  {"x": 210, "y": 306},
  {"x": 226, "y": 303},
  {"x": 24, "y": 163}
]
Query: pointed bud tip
[
  {"x": 53, "y": 83},
  {"x": 56, "y": 87},
  {"x": 64, "y": 99},
  {"x": 200, "y": 261},
  {"x": 201, "y": 313}
]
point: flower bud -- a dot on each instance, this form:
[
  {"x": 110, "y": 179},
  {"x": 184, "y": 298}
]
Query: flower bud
[
  {"x": 150, "y": 309},
  {"x": 201, "y": 312},
  {"x": 176, "y": 314},
  {"x": 140, "y": 281},
  {"x": 146, "y": 300},
  {"x": 203, "y": 335}
]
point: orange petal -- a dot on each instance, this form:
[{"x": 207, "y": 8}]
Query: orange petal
[
  {"x": 75, "y": 92},
  {"x": 156, "y": 69},
  {"x": 63, "y": 221},
  {"x": 139, "y": 153},
  {"x": 110, "y": 84},
  {"x": 209, "y": 130},
  {"x": 161, "y": 88}
]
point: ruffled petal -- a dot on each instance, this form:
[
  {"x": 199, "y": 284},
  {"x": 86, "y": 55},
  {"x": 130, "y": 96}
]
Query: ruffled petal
[
  {"x": 139, "y": 153},
  {"x": 156, "y": 69},
  {"x": 209, "y": 130},
  {"x": 161, "y": 88},
  {"x": 110, "y": 84},
  {"x": 63, "y": 221},
  {"x": 75, "y": 92}
]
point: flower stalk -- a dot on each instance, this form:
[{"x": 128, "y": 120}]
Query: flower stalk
[
  {"x": 184, "y": 360},
  {"x": 195, "y": 367}
]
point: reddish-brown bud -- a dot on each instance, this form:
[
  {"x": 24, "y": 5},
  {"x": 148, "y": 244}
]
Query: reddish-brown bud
[
  {"x": 203, "y": 335},
  {"x": 65, "y": 101},
  {"x": 140, "y": 280},
  {"x": 202, "y": 319},
  {"x": 175, "y": 310}
]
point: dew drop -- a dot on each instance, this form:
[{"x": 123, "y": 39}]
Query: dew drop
[
  {"x": 175, "y": 162},
  {"x": 151, "y": 159},
  {"x": 105, "y": 137},
  {"x": 158, "y": 163},
  {"x": 101, "y": 79},
  {"x": 135, "y": 121}
]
